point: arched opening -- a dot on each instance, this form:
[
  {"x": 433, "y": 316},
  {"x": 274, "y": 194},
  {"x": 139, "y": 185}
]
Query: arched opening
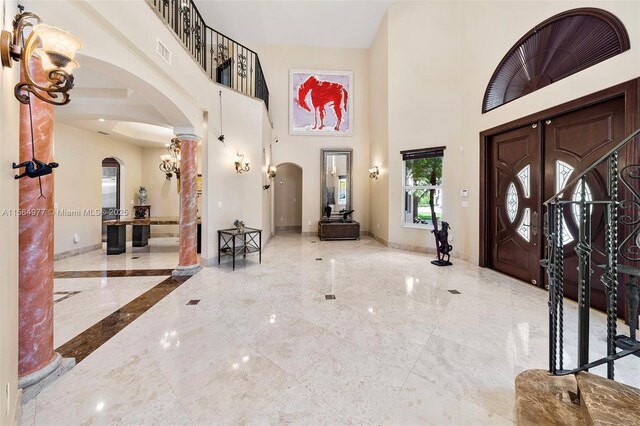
[
  {"x": 562, "y": 45},
  {"x": 111, "y": 191},
  {"x": 288, "y": 199}
]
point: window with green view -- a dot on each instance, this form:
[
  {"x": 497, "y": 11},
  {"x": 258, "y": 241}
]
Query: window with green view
[{"x": 422, "y": 180}]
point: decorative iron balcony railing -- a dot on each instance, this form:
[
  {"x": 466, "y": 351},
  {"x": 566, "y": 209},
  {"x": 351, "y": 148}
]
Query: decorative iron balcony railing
[
  {"x": 602, "y": 225},
  {"x": 223, "y": 59}
]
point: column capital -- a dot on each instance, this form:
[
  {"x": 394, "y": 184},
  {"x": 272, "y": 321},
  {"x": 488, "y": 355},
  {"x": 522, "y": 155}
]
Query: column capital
[{"x": 188, "y": 137}]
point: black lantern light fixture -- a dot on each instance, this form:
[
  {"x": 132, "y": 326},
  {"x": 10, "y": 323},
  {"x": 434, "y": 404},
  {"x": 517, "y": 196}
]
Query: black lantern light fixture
[{"x": 54, "y": 46}]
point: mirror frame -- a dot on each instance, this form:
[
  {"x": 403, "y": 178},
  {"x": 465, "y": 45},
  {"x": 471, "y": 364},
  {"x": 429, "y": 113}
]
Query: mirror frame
[{"x": 323, "y": 166}]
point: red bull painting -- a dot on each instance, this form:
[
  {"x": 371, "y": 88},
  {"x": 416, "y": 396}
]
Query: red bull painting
[{"x": 320, "y": 103}]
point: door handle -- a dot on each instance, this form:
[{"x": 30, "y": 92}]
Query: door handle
[{"x": 534, "y": 223}]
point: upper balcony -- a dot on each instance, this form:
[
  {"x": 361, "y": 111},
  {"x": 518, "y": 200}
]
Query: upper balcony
[{"x": 224, "y": 60}]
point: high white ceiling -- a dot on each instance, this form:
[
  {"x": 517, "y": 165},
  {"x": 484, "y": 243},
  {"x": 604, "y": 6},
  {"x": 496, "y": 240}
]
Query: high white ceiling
[
  {"x": 100, "y": 103},
  {"x": 329, "y": 23}
]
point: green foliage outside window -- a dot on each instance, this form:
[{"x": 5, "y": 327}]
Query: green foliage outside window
[{"x": 420, "y": 173}]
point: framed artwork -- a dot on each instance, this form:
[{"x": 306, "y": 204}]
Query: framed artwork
[{"x": 320, "y": 103}]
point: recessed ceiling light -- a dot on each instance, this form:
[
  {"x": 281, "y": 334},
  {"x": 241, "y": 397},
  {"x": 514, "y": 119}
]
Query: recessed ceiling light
[{"x": 100, "y": 119}]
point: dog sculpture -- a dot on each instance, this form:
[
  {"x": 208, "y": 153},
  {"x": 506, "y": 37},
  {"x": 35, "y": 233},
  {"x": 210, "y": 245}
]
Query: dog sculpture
[
  {"x": 442, "y": 244},
  {"x": 323, "y": 93}
]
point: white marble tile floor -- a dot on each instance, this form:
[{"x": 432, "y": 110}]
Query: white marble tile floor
[{"x": 264, "y": 346}]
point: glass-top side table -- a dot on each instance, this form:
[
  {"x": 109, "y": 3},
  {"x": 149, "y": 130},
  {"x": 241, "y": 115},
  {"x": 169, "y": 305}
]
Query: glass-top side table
[{"x": 232, "y": 242}]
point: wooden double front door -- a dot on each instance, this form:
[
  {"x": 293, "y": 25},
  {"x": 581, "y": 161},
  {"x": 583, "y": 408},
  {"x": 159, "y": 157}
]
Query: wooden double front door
[{"x": 527, "y": 166}]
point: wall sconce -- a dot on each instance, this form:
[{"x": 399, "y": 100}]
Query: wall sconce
[
  {"x": 242, "y": 165},
  {"x": 171, "y": 162},
  {"x": 271, "y": 172},
  {"x": 55, "y": 47},
  {"x": 374, "y": 172}
]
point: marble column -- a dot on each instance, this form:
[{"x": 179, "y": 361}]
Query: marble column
[
  {"x": 36, "y": 356},
  {"x": 188, "y": 263}
]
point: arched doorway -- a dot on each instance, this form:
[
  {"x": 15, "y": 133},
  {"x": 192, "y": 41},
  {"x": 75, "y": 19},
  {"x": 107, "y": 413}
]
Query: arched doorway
[
  {"x": 111, "y": 191},
  {"x": 288, "y": 199}
]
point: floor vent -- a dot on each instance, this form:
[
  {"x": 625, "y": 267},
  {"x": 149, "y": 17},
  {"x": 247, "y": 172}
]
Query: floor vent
[
  {"x": 454, "y": 291},
  {"x": 318, "y": 258},
  {"x": 164, "y": 52},
  {"x": 330, "y": 296},
  {"x": 193, "y": 302}
]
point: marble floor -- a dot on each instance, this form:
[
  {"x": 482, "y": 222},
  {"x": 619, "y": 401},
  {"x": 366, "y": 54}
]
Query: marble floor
[
  {"x": 81, "y": 301},
  {"x": 264, "y": 345}
]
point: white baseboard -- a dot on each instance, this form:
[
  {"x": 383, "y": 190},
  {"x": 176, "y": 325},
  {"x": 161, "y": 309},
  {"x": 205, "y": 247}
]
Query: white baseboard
[{"x": 76, "y": 252}]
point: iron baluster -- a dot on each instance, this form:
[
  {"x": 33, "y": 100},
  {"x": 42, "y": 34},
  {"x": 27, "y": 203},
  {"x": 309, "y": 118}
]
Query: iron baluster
[
  {"x": 229, "y": 62},
  {"x": 560, "y": 279},
  {"x": 552, "y": 269},
  {"x": 612, "y": 290},
  {"x": 583, "y": 250}
]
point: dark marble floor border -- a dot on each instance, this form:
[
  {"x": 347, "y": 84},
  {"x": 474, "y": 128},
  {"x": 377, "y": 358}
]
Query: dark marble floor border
[
  {"x": 67, "y": 294},
  {"x": 113, "y": 273},
  {"x": 98, "y": 334}
]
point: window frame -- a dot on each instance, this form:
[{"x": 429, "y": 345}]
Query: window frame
[{"x": 428, "y": 153}]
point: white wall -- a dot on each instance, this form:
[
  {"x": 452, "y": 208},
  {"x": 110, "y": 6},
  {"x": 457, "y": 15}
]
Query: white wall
[
  {"x": 484, "y": 50},
  {"x": 183, "y": 94},
  {"x": 9, "y": 135},
  {"x": 288, "y": 196},
  {"x": 230, "y": 195},
  {"x": 79, "y": 183},
  {"x": 436, "y": 89},
  {"x": 162, "y": 193},
  {"x": 267, "y": 197},
  {"x": 423, "y": 101},
  {"x": 305, "y": 150},
  {"x": 379, "y": 132}
]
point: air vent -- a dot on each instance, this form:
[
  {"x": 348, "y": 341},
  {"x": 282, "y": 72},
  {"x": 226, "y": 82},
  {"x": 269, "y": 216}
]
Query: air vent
[
  {"x": 164, "y": 52},
  {"x": 104, "y": 133}
]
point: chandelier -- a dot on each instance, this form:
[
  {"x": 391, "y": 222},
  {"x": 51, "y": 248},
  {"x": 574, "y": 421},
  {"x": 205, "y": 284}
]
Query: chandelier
[{"x": 170, "y": 164}]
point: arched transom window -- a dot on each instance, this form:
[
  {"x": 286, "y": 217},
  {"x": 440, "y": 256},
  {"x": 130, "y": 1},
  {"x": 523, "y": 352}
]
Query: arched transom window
[{"x": 556, "y": 48}]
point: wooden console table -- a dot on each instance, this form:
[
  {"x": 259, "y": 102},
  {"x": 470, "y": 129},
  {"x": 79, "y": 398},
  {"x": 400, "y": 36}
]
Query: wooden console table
[
  {"x": 117, "y": 232},
  {"x": 338, "y": 230},
  {"x": 232, "y": 242}
]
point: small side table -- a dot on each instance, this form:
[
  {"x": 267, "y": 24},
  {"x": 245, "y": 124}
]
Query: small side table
[{"x": 232, "y": 242}]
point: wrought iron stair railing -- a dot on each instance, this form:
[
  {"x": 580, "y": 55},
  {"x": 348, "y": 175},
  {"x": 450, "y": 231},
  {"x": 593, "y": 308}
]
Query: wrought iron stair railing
[
  {"x": 223, "y": 59},
  {"x": 606, "y": 225}
]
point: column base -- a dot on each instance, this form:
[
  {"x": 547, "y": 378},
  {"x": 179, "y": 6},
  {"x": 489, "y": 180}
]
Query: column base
[
  {"x": 186, "y": 271},
  {"x": 32, "y": 384}
]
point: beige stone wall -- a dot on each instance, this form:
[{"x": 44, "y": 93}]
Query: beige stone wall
[
  {"x": 441, "y": 56},
  {"x": 304, "y": 151},
  {"x": 79, "y": 183},
  {"x": 9, "y": 129},
  {"x": 379, "y": 132}
]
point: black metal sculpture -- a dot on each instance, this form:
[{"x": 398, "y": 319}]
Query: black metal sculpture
[
  {"x": 35, "y": 168},
  {"x": 346, "y": 215},
  {"x": 443, "y": 247},
  {"x": 327, "y": 210}
]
